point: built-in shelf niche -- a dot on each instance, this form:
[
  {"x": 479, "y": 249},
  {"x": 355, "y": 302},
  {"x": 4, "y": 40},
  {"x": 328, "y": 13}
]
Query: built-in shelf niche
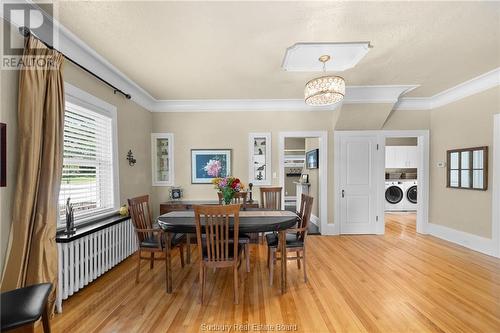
[
  {"x": 162, "y": 155},
  {"x": 259, "y": 158}
]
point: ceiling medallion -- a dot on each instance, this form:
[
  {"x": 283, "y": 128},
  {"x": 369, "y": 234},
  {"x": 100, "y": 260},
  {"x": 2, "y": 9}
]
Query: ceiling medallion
[{"x": 324, "y": 90}]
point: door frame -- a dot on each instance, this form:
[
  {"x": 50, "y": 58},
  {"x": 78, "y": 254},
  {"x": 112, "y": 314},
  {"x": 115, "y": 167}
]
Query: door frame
[
  {"x": 422, "y": 175},
  {"x": 495, "y": 214},
  {"x": 323, "y": 169}
]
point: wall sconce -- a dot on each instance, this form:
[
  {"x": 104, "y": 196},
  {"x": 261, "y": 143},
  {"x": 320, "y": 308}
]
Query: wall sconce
[{"x": 130, "y": 158}]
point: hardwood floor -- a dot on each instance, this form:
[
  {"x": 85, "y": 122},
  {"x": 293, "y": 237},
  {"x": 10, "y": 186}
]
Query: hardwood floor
[{"x": 398, "y": 282}]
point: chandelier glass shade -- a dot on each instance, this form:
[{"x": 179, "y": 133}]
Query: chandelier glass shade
[{"x": 325, "y": 90}]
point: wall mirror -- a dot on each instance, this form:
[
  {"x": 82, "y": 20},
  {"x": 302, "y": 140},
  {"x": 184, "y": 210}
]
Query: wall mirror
[{"x": 468, "y": 168}]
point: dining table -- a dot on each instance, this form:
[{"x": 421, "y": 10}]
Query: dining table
[{"x": 251, "y": 221}]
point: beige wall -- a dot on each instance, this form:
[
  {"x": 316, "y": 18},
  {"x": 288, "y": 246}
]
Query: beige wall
[
  {"x": 134, "y": 128},
  {"x": 313, "y": 143},
  {"x": 363, "y": 116},
  {"x": 295, "y": 143},
  {"x": 465, "y": 123},
  {"x": 408, "y": 120},
  {"x": 230, "y": 130}
]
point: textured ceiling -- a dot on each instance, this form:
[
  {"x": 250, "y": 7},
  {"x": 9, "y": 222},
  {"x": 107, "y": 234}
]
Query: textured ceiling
[{"x": 229, "y": 50}]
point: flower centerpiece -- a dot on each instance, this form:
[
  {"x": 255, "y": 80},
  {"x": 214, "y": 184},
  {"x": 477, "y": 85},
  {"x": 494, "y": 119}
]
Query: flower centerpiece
[{"x": 228, "y": 186}]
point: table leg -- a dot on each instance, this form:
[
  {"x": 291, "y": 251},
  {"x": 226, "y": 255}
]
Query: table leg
[
  {"x": 282, "y": 244},
  {"x": 168, "y": 261},
  {"x": 188, "y": 245}
]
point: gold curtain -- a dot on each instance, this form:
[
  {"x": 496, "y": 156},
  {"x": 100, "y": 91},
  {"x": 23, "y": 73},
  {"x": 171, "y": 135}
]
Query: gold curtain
[{"x": 32, "y": 256}]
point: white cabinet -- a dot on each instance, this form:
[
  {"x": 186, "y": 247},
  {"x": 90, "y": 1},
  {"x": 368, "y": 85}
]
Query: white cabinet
[
  {"x": 399, "y": 157},
  {"x": 412, "y": 157}
]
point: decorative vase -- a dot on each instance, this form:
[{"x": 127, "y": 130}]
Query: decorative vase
[{"x": 227, "y": 196}]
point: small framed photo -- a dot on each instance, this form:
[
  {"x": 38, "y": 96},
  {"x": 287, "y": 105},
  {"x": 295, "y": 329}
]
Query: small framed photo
[
  {"x": 312, "y": 159},
  {"x": 304, "y": 178}
]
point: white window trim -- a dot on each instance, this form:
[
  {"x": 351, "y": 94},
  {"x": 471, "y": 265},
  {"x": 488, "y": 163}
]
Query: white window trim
[
  {"x": 269, "y": 166},
  {"x": 85, "y": 100}
]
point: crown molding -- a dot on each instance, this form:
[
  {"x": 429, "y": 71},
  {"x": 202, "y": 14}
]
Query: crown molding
[
  {"x": 234, "y": 105},
  {"x": 72, "y": 46},
  {"x": 354, "y": 95},
  {"x": 476, "y": 85}
]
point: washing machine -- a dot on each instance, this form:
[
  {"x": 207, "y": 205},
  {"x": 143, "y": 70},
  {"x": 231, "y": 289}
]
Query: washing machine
[
  {"x": 410, "y": 200},
  {"x": 394, "y": 196}
]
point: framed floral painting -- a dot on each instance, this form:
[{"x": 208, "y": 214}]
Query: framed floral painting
[{"x": 207, "y": 164}]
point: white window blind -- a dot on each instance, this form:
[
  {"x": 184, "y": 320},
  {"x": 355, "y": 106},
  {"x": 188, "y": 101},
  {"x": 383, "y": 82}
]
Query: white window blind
[{"x": 87, "y": 177}]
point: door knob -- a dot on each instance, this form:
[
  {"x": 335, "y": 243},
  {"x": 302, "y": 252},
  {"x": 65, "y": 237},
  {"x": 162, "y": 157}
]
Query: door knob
[{"x": 343, "y": 192}]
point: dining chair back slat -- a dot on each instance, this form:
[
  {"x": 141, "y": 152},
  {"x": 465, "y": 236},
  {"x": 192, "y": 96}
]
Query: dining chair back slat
[
  {"x": 270, "y": 197},
  {"x": 213, "y": 222},
  {"x": 150, "y": 239},
  {"x": 141, "y": 214},
  {"x": 239, "y": 198},
  {"x": 296, "y": 243},
  {"x": 217, "y": 245},
  {"x": 306, "y": 204}
]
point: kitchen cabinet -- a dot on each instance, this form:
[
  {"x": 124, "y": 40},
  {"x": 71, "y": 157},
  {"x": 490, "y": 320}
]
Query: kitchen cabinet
[{"x": 400, "y": 157}]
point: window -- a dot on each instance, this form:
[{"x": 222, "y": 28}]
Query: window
[
  {"x": 468, "y": 168},
  {"x": 89, "y": 164}
]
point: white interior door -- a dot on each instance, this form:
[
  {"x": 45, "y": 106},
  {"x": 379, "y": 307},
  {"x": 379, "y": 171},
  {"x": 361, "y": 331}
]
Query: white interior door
[{"x": 358, "y": 184}]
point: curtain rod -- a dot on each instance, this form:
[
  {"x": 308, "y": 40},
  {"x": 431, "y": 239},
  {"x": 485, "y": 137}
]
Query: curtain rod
[{"x": 26, "y": 32}]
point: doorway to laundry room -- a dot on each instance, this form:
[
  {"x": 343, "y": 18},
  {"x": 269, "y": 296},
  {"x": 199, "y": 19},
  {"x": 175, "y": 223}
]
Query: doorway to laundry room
[{"x": 401, "y": 184}]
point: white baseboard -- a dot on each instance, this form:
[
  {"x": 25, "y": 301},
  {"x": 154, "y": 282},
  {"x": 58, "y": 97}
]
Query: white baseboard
[
  {"x": 473, "y": 242},
  {"x": 315, "y": 220}
]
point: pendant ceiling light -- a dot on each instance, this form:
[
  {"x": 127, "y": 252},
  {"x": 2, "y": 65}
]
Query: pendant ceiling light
[{"x": 324, "y": 90}]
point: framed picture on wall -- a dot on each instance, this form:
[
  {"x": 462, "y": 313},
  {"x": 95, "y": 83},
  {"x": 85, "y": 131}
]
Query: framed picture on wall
[
  {"x": 312, "y": 159},
  {"x": 207, "y": 164}
]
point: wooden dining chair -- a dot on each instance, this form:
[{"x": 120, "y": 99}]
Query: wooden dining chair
[
  {"x": 218, "y": 247},
  {"x": 241, "y": 198},
  {"x": 295, "y": 239},
  {"x": 270, "y": 198},
  {"x": 150, "y": 239}
]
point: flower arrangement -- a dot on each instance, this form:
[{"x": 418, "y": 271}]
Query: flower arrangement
[{"x": 228, "y": 186}]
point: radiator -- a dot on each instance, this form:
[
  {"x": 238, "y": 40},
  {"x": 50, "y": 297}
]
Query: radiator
[{"x": 85, "y": 259}]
